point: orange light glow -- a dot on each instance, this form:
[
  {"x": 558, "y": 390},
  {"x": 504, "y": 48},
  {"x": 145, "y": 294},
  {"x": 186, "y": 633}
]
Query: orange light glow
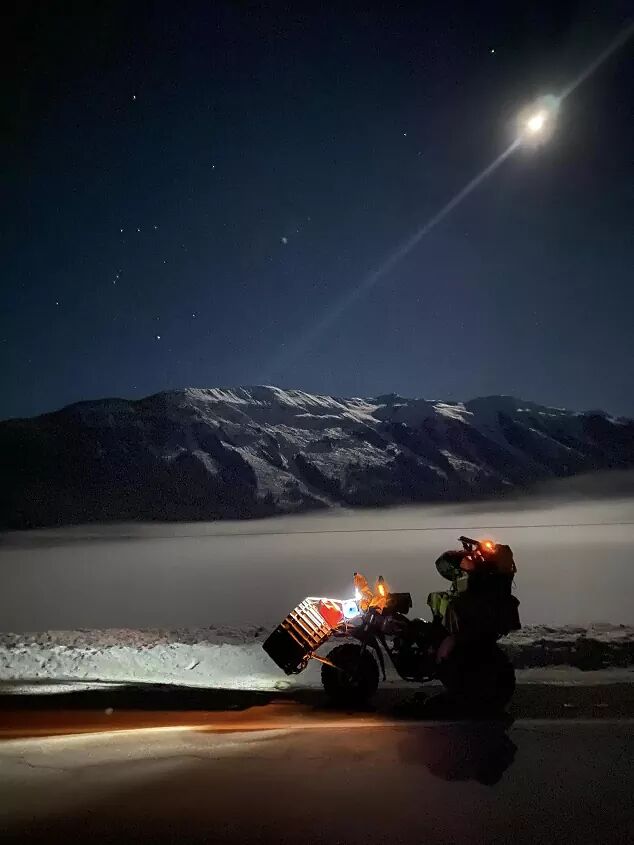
[{"x": 381, "y": 589}]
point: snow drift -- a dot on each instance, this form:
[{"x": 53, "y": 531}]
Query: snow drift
[
  {"x": 233, "y": 453},
  {"x": 233, "y": 658}
]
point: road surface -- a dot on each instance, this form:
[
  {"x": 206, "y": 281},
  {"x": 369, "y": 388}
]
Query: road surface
[{"x": 291, "y": 772}]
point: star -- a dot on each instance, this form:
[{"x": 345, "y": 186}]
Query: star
[
  {"x": 285, "y": 240},
  {"x": 404, "y": 134},
  {"x": 121, "y": 230},
  {"x": 56, "y": 302},
  {"x": 156, "y": 227},
  {"x": 138, "y": 229},
  {"x": 157, "y": 336},
  {"x": 134, "y": 96},
  {"x": 492, "y": 50}
]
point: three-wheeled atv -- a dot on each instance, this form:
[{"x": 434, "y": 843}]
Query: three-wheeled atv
[{"x": 458, "y": 646}]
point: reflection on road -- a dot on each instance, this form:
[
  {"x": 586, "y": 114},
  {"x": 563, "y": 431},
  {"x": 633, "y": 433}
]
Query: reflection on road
[{"x": 462, "y": 751}]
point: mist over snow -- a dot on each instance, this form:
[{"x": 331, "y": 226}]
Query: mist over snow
[{"x": 574, "y": 563}]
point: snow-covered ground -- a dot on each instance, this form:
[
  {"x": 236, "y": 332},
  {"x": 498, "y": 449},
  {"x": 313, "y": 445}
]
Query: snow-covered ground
[
  {"x": 137, "y": 601},
  {"x": 234, "y": 659}
]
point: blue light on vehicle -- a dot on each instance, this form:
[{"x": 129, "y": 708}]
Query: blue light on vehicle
[{"x": 350, "y": 609}]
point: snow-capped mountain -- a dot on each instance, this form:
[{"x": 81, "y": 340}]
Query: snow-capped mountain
[{"x": 244, "y": 452}]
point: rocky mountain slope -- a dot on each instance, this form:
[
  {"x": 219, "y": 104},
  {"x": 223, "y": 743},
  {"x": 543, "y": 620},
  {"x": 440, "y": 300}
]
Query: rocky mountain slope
[{"x": 246, "y": 452}]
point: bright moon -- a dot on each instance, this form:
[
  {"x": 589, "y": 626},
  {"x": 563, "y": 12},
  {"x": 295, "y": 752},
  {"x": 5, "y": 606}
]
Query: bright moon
[{"x": 536, "y": 122}]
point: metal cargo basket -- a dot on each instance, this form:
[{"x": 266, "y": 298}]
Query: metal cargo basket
[{"x": 294, "y": 641}]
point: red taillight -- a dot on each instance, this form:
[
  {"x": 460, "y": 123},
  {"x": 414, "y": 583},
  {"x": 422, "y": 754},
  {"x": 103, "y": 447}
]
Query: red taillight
[{"x": 331, "y": 612}]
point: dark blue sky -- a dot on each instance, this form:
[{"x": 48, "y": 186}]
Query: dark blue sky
[{"x": 271, "y": 158}]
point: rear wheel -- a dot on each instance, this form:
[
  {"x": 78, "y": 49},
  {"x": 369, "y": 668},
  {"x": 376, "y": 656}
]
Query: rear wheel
[
  {"x": 356, "y": 677},
  {"x": 480, "y": 681}
]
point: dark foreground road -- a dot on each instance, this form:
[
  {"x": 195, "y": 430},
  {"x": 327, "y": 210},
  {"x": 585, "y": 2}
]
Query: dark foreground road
[{"x": 293, "y": 772}]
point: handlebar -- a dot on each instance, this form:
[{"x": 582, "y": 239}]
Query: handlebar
[{"x": 468, "y": 543}]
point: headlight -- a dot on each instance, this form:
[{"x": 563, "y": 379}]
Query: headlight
[{"x": 350, "y": 609}]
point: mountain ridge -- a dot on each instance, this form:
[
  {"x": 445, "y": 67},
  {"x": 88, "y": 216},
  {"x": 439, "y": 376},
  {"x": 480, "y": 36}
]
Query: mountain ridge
[{"x": 214, "y": 453}]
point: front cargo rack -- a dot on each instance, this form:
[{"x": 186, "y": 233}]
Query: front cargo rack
[{"x": 294, "y": 641}]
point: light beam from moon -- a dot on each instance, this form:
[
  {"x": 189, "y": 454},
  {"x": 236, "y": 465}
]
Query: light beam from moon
[
  {"x": 534, "y": 124},
  {"x": 623, "y": 36},
  {"x": 368, "y": 282}
]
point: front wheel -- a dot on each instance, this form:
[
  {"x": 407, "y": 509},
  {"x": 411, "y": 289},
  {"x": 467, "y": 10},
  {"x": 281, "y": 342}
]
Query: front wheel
[{"x": 356, "y": 677}]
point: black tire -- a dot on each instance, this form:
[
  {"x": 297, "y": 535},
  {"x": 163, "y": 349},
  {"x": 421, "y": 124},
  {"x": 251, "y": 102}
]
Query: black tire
[
  {"x": 480, "y": 681},
  {"x": 356, "y": 678}
]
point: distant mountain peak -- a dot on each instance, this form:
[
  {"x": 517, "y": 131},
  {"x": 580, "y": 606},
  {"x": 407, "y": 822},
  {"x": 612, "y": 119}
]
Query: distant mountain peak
[{"x": 213, "y": 453}]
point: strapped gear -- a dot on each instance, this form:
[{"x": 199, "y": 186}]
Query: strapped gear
[{"x": 480, "y": 599}]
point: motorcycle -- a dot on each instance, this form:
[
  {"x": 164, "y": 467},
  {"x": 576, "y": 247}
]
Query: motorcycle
[{"x": 374, "y": 625}]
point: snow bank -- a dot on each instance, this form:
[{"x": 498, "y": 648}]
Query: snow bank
[
  {"x": 232, "y": 658},
  {"x": 214, "y": 657}
]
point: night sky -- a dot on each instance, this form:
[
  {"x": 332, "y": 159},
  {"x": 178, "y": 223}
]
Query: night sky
[{"x": 191, "y": 188}]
